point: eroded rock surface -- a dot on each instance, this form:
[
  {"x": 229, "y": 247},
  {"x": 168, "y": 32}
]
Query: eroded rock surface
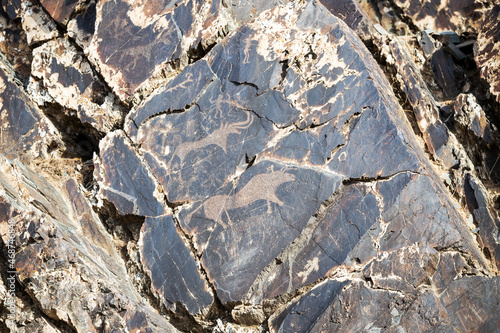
[
  {"x": 412, "y": 289},
  {"x": 241, "y": 166},
  {"x": 136, "y": 40},
  {"x": 285, "y": 155},
  {"x": 71, "y": 82},
  {"x": 444, "y": 15},
  {"x": 486, "y": 55},
  {"x": 65, "y": 259}
]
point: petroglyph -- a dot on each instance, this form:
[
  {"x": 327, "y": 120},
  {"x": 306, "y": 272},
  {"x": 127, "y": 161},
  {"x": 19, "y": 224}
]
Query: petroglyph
[
  {"x": 260, "y": 187},
  {"x": 218, "y": 137}
]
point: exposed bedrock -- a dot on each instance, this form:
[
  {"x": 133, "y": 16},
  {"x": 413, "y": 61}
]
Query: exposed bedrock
[{"x": 250, "y": 166}]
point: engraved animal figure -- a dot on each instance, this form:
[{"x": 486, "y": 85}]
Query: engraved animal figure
[
  {"x": 218, "y": 137},
  {"x": 260, "y": 187}
]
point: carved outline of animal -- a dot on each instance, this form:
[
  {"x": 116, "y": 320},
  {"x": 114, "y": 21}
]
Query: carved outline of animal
[
  {"x": 260, "y": 187},
  {"x": 218, "y": 137}
]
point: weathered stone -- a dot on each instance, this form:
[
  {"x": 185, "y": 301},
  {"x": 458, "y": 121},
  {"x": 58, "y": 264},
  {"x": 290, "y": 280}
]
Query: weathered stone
[
  {"x": 266, "y": 167},
  {"x": 248, "y": 315},
  {"x": 447, "y": 74},
  {"x": 171, "y": 266},
  {"x": 25, "y": 133},
  {"x": 13, "y": 8},
  {"x": 470, "y": 115},
  {"x": 65, "y": 258},
  {"x": 442, "y": 15},
  {"x": 480, "y": 206},
  {"x": 427, "y": 43},
  {"x": 134, "y": 41},
  {"x": 424, "y": 106},
  {"x": 487, "y": 52},
  {"x": 70, "y": 81},
  {"x": 38, "y": 26},
  {"x": 353, "y": 15},
  {"x": 62, "y": 10},
  {"x": 14, "y": 45},
  {"x": 257, "y": 137},
  {"x": 131, "y": 188},
  {"x": 412, "y": 289},
  {"x": 82, "y": 27}
]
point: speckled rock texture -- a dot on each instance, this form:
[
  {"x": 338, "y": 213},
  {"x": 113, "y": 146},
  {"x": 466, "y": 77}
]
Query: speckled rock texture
[{"x": 249, "y": 166}]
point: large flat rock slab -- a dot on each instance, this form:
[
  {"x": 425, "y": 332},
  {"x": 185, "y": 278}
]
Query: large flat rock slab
[
  {"x": 134, "y": 41},
  {"x": 284, "y": 154}
]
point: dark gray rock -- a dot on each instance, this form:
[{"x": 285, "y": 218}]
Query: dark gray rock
[
  {"x": 171, "y": 265},
  {"x": 124, "y": 180},
  {"x": 252, "y": 143},
  {"x": 134, "y": 42},
  {"x": 413, "y": 289}
]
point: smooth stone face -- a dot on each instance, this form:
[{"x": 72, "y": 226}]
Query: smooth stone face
[
  {"x": 446, "y": 73},
  {"x": 259, "y": 217},
  {"x": 171, "y": 266},
  {"x": 300, "y": 316},
  {"x": 124, "y": 180}
]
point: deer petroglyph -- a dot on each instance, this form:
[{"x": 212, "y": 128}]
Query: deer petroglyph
[
  {"x": 260, "y": 187},
  {"x": 219, "y": 137}
]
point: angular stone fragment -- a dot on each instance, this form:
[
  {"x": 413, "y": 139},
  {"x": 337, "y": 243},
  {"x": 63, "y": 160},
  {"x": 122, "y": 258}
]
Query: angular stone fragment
[
  {"x": 172, "y": 268},
  {"x": 124, "y": 180},
  {"x": 62, "y": 10},
  {"x": 487, "y": 52},
  {"x": 25, "y": 133},
  {"x": 38, "y": 26},
  {"x": 70, "y": 81},
  {"x": 448, "y": 76},
  {"x": 82, "y": 27},
  {"x": 252, "y": 141},
  {"x": 471, "y": 116}
]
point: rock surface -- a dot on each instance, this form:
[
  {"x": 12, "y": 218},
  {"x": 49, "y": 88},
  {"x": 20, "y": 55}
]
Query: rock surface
[
  {"x": 486, "y": 55},
  {"x": 249, "y": 166}
]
